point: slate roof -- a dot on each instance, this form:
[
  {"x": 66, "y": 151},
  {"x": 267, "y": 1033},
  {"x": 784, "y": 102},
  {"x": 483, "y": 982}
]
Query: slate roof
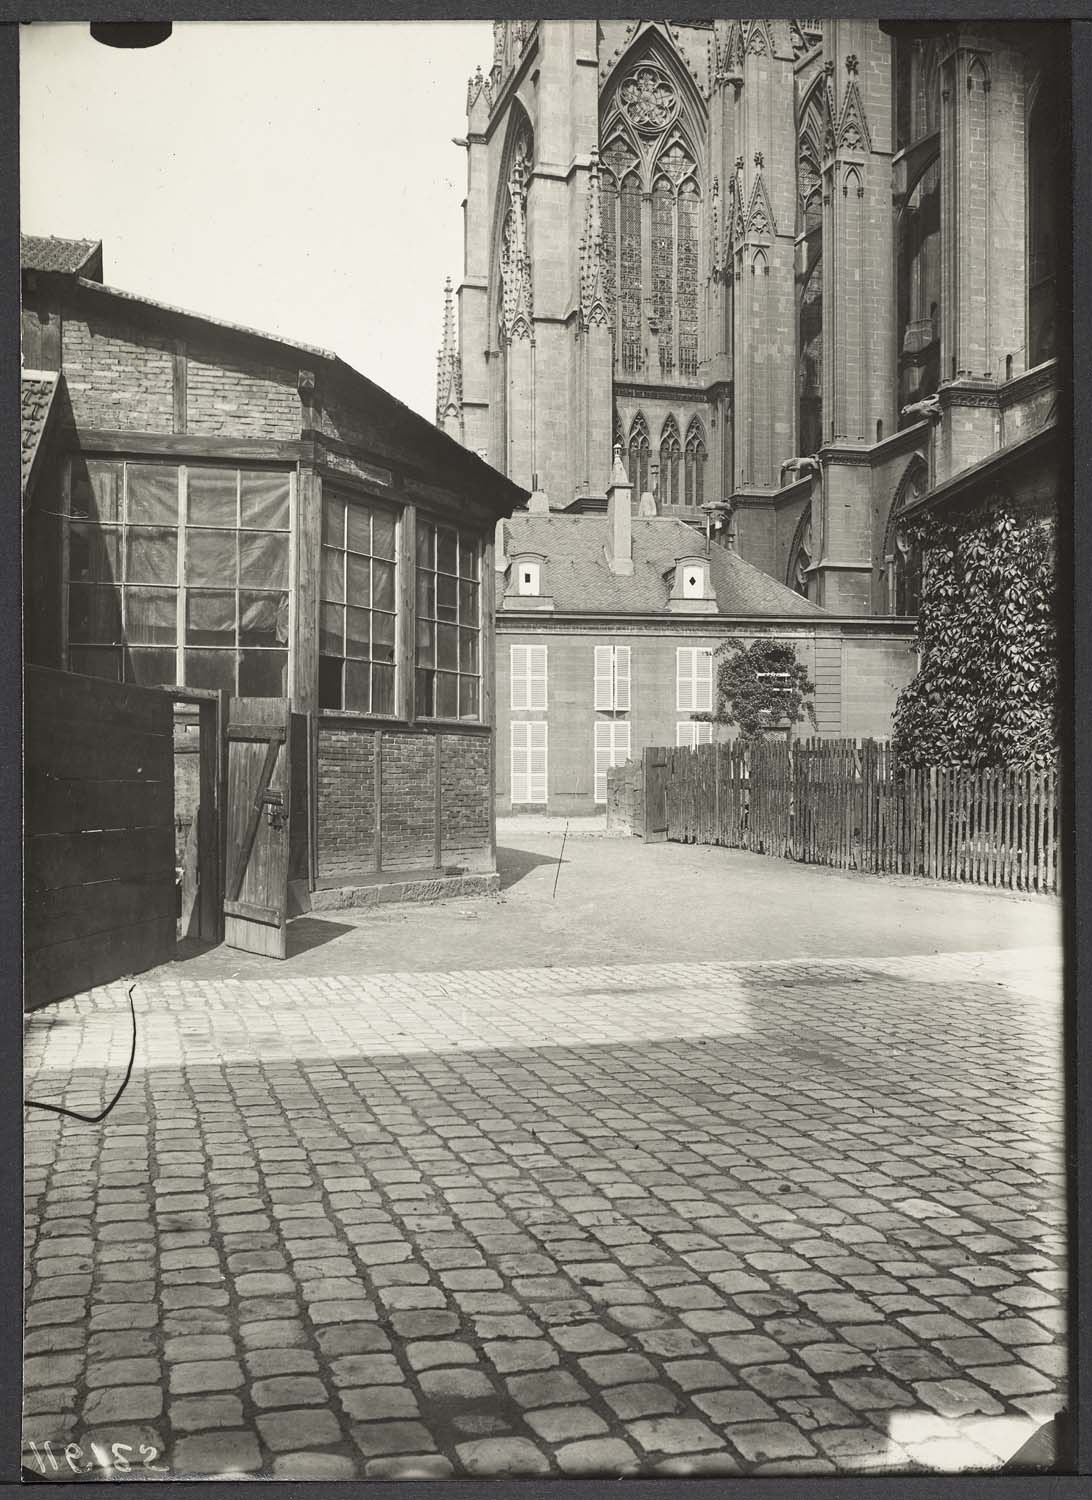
[
  {"x": 68, "y": 257},
  {"x": 37, "y": 390},
  {"x": 579, "y": 580}
]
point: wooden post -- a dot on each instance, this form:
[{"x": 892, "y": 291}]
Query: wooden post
[{"x": 378, "y": 794}]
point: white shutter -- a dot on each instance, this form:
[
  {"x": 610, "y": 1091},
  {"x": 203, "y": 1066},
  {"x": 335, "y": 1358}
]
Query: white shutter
[
  {"x": 703, "y": 734},
  {"x": 703, "y": 690},
  {"x": 536, "y": 677},
  {"x": 611, "y": 749},
  {"x": 537, "y": 762},
  {"x": 621, "y": 678},
  {"x": 529, "y": 761},
  {"x": 684, "y": 734},
  {"x": 684, "y": 680},
  {"x": 602, "y": 759},
  {"x": 520, "y": 676},
  {"x": 604, "y": 677}
]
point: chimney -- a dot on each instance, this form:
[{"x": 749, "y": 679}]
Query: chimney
[{"x": 619, "y": 519}]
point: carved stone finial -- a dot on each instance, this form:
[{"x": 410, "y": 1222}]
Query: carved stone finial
[
  {"x": 828, "y": 66},
  {"x": 594, "y": 297},
  {"x": 739, "y": 163},
  {"x": 760, "y": 160},
  {"x": 851, "y": 63},
  {"x": 449, "y": 377}
]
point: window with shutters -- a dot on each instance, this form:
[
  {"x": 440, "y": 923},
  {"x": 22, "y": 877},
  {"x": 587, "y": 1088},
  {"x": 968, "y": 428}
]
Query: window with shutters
[
  {"x": 528, "y": 674},
  {"x": 694, "y": 680},
  {"x": 612, "y": 679},
  {"x": 692, "y": 732},
  {"x": 611, "y": 749},
  {"x": 529, "y": 761}
]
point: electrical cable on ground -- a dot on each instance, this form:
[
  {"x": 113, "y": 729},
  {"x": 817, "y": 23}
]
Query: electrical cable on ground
[{"x": 73, "y": 1114}]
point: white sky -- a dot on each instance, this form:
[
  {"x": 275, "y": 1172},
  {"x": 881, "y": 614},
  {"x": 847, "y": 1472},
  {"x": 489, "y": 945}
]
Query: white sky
[{"x": 298, "y": 177}]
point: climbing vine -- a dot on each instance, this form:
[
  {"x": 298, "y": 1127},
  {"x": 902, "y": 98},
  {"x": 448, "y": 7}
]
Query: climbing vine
[
  {"x": 986, "y": 692},
  {"x": 761, "y": 687}
]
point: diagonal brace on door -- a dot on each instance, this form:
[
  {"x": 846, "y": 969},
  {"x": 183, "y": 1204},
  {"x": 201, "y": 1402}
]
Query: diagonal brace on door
[{"x": 242, "y": 858}]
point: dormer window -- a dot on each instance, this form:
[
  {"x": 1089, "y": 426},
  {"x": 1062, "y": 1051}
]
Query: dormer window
[
  {"x": 693, "y": 578},
  {"x": 528, "y": 578}
]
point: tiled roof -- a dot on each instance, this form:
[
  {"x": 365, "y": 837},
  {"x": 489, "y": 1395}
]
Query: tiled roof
[
  {"x": 37, "y": 390},
  {"x": 579, "y": 580},
  {"x": 71, "y": 257}
]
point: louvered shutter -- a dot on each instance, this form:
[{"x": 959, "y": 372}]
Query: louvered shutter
[
  {"x": 621, "y": 678},
  {"x": 520, "y": 676},
  {"x": 604, "y": 678},
  {"x": 684, "y": 680},
  {"x": 537, "y": 762},
  {"x": 703, "y": 691},
  {"x": 536, "y": 677}
]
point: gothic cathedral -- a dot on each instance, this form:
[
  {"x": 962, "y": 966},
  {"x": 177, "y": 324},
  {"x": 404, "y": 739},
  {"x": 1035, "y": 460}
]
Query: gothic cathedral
[{"x": 800, "y": 272}]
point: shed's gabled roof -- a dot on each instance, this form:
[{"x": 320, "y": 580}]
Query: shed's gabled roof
[
  {"x": 499, "y": 493},
  {"x": 64, "y": 257},
  {"x": 36, "y": 393},
  {"x": 579, "y": 579}
]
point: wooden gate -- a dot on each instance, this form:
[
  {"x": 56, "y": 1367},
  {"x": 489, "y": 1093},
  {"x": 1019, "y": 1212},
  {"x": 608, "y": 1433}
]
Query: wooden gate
[
  {"x": 655, "y": 793},
  {"x": 258, "y": 781}
]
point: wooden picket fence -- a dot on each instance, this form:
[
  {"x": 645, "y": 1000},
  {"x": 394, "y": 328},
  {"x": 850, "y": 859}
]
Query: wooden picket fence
[{"x": 846, "y": 804}]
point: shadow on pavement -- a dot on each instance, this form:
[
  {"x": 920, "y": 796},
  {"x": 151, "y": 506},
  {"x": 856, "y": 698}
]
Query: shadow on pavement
[{"x": 514, "y": 864}]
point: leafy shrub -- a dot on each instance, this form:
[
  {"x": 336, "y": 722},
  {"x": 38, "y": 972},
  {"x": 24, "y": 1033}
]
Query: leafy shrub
[{"x": 761, "y": 686}]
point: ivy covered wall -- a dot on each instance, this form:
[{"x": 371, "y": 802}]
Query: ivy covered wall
[{"x": 986, "y": 693}]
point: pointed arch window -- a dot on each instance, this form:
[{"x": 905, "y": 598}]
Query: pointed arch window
[
  {"x": 638, "y": 454},
  {"x": 629, "y": 276},
  {"x": 651, "y": 205},
  {"x": 694, "y": 465},
  {"x": 902, "y": 552},
  {"x": 670, "y": 453}
]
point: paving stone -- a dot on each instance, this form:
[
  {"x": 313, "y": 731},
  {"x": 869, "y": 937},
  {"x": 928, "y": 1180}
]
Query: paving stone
[
  {"x": 827, "y": 1359},
  {"x": 409, "y": 1466},
  {"x": 558, "y": 1424},
  {"x": 379, "y": 1403},
  {"x": 780, "y": 1381},
  {"x": 605, "y": 1456},
  {"x": 512, "y": 1355},
  {"x": 545, "y": 1388},
  {"x": 419, "y": 1325},
  {"x": 957, "y": 1398},
  {"x": 617, "y": 1369},
  {"x": 376, "y": 1439},
  {"x": 354, "y": 1338},
  {"x": 216, "y": 1453},
  {"x": 672, "y": 1435},
  {"x": 309, "y": 1427},
  {"x": 318, "y": 1466},
  {"x": 760, "y": 1442},
  {"x": 747, "y": 1349},
  {"x": 456, "y": 1384},
  {"x": 870, "y": 1393},
  {"x": 289, "y": 1390},
  {"x": 127, "y": 1403},
  {"x": 500, "y": 1457},
  {"x": 197, "y": 1413},
  {"x": 193, "y": 1377},
  {"x": 587, "y": 1338},
  {"x": 733, "y": 1406},
  {"x": 426, "y": 1354},
  {"x": 1010, "y": 1380},
  {"x": 645, "y": 1399},
  {"x": 699, "y": 1374}
]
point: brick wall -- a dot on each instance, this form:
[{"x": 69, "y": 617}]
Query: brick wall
[
  {"x": 465, "y": 835},
  {"x": 345, "y": 791},
  {"x": 409, "y": 802},
  {"x": 239, "y": 397},
  {"x": 345, "y": 796},
  {"x": 118, "y": 377}
]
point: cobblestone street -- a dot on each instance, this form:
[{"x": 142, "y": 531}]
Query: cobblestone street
[{"x": 529, "y": 1216}]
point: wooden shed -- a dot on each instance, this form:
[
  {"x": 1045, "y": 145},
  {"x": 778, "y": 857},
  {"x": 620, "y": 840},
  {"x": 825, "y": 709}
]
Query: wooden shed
[{"x": 257, "y": 527}]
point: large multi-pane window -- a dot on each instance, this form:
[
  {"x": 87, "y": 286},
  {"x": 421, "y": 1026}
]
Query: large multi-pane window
[
  {"x": 179, "y": 575},
  {"x": 357, "y": 606},
  {"x": 448, "y": 673}
]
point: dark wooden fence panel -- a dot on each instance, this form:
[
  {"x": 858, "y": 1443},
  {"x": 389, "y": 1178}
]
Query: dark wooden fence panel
[
  {"x": 844, "y": 803},
  {"x": 99, "y": 832}
]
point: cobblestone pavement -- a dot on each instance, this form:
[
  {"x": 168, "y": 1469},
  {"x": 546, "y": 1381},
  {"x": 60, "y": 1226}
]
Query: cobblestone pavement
[{"x": 668, "y": 1218}]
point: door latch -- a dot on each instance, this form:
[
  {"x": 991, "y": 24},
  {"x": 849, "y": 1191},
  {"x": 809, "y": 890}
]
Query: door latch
[{"x": 273, "y": 803}]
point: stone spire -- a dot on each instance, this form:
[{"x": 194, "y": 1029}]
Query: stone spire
[
  {"x": 594, "y": 294},
  {"x": 449, "y": 383}
]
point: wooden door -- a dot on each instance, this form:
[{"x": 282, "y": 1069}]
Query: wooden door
[
  {"x": 256, "y": 882},
  {"x": 655, "y": 793}
]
